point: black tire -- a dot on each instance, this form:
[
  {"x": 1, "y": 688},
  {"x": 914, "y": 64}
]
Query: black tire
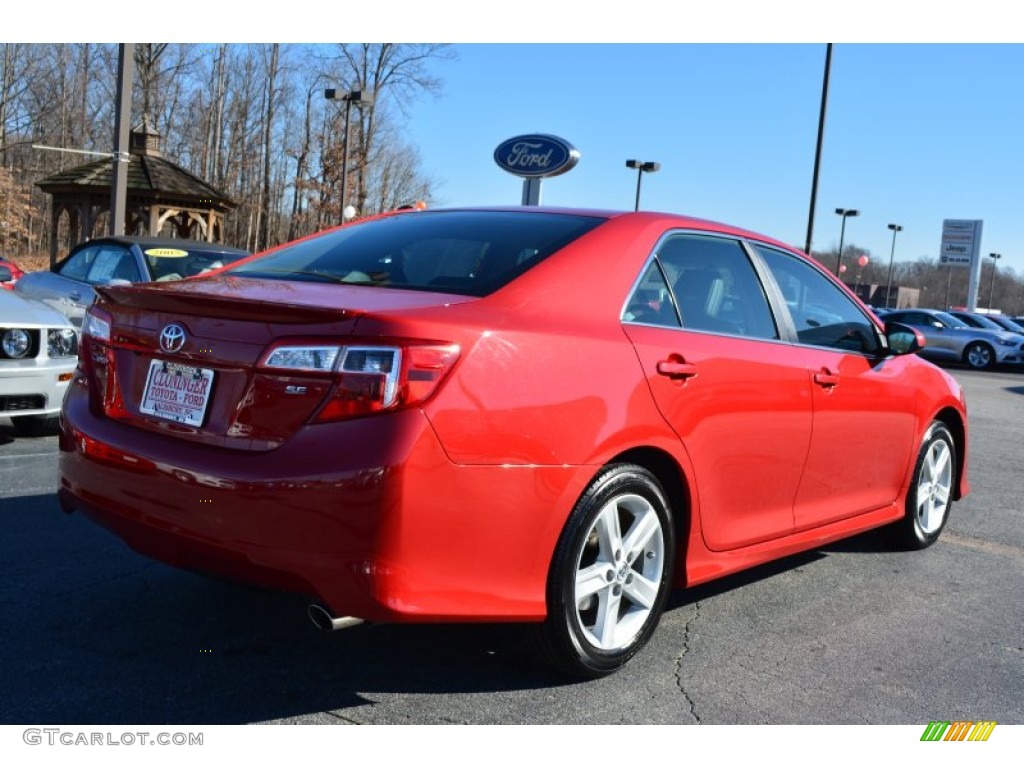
[
  {"x": 35, "y": 426},
  {"x": 620, "y": 534},
  {"x": 979, "y": 356},
  {"x": 931, "y": 490}
]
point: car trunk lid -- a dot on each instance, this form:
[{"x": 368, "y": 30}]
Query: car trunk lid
[{"x": 186, "y": 359}]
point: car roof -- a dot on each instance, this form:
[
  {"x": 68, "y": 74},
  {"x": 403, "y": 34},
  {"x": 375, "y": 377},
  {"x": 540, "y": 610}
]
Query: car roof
[{"x": 679, "y": 220}]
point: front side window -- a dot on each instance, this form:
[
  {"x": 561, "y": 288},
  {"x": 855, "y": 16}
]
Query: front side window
[
  {"x": 823, "y": 315},
  {"x": 909, "y": 318},
  {"x": 704, "y": 283}
]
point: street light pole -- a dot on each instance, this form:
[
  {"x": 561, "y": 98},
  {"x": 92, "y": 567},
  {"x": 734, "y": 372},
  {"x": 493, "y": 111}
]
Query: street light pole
[
  {"x": 845, "y": 213},
  {"x": 641, "y": 168},
  {"x": 992, "y": 286},
  {"x": 363, "y": 99},
  {"x": 817, "y": 150},
  {"x": 888, "y": 285}
]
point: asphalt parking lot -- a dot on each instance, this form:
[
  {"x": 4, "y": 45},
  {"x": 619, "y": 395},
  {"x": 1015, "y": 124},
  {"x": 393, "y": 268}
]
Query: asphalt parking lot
[{"x": 852, "y": 633}]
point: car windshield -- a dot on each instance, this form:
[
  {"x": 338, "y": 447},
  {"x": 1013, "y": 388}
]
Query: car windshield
[
  {"x": 466, "y": 252},
  {"x": 949, "y": 320},
  {"x": 174, "y": 263},
  {"x": 980, "y": 321},
  {"x": 1008, "y": 324}
]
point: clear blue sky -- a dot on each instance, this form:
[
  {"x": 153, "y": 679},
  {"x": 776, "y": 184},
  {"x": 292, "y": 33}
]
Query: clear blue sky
[{"x": 915, "y": 133}]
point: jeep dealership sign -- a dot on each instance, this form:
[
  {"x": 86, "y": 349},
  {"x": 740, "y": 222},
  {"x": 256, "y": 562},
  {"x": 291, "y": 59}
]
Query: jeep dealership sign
[{"x": 961, "y": 242}]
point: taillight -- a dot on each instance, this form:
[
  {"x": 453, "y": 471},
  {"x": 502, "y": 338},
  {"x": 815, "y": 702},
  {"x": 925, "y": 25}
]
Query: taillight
[
  {"x": 368, "y": 378},
  {"x": 96, "y": 324},
  {"x": 97, "y": 360}
]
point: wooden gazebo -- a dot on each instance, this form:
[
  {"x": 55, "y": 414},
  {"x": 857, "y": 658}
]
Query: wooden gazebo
[{"x": 163, "y": 198}]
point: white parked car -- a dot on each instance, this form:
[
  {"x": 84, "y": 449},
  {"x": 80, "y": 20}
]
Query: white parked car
[{"x": 38, "y": 355}]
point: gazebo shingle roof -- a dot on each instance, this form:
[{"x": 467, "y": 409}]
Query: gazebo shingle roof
[{"x": 149, "y": 176}]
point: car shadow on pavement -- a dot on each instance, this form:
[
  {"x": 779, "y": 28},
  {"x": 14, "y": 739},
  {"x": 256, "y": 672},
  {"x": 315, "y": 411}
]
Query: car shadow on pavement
[
  {"x": 96, "y": 634},
  {"x": 100, "y": 635},
  {"x": 691, "y": 595}
]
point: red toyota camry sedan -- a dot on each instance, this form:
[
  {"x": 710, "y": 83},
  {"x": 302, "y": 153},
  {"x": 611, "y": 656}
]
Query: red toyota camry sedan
[{"x": 534, "y": 415}]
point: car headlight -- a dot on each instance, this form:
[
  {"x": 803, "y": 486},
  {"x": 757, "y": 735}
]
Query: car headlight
[
  {"x": 16, "y": 342},
  {"x": 1007, "y": 343},
  {"x": 62, "y": 342}
]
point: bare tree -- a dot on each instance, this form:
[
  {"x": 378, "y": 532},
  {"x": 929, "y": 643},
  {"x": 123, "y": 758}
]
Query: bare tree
[
  {"x": 247, "y": 118},
  {"x": 272, "y": 97},
  {"x": 396, "y": 75}
]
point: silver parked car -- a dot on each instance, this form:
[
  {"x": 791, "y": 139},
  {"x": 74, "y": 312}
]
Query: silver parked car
[
  {"x": 978, "y": 320},
  {"x": 948, "y": 339},
  {"x": 69, "y": 285},
  {"x": 38, "y": 355},
  {"x": 1014, "y": 326}
]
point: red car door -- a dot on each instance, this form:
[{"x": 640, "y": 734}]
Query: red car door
[
  {"x": 864, "y": 408},
  {"x": 738, "y": 398}
]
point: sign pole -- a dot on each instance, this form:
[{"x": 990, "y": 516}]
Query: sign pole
[{"x": 531, "y": 191}]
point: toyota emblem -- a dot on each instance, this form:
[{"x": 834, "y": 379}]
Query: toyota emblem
[{"x": 172, "y": 338}]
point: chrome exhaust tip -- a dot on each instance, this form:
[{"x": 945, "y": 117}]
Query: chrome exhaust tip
[{"x": 323, "y": 619}]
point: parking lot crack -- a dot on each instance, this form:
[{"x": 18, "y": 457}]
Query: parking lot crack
[
  {"x": 679, "y": 662},
  {"x": 348, "y": 720}
]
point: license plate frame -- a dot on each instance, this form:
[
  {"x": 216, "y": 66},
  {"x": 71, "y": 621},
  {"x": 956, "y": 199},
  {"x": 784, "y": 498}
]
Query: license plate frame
[{"x": 177, "y": 392}]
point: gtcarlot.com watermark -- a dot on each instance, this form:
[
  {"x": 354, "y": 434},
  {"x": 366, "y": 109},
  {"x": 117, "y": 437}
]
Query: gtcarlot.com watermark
[{"x": 69, "y": 738}]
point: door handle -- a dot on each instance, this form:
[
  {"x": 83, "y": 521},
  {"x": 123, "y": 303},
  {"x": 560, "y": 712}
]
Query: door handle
[
  {"x": 676, "y": 368},
  {"x": 74, "y": 296},
  {"x": 826, "y": 378}
]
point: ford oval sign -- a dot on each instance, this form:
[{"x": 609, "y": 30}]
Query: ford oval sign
[{"x": 536, "y": 156}]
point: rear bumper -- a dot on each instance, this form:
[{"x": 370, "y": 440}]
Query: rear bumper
[{"x": 368, "y": 516}]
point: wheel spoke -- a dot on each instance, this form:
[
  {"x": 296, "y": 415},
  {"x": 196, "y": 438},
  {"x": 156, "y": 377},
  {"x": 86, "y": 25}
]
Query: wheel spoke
[
  {"x": 644, "y": 528},
  {"x": 641, "y": 591},
  {"x": 590, "y": 580},
  {"x": 609, "y": 535},
  {"x": 924, "y": 513},
  {"x": 941, "y": 461},
  {"x": 607, "y": 618}
]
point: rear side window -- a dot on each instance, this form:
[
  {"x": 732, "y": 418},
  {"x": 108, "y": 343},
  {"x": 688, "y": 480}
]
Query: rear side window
[
  {"x": 467, "y": 252},
  {"x": 702, "y": 283},
  {"x": 99, "y": 264}
]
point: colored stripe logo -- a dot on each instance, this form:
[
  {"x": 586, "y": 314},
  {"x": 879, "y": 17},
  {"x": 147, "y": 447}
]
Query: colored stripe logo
[{"x": 958, "y": 730}]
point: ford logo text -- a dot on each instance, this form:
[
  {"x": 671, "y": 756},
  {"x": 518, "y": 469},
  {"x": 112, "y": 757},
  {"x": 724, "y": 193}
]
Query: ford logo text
[{"x": 536, "y": 156}]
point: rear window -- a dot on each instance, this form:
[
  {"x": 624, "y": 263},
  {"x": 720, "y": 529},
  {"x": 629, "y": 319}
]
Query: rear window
[{"x": 466, "y": 252}]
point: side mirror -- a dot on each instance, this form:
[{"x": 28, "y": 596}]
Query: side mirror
[
  {"x": 5, "y": 274},
  {"x": 902, "y": 339}
]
